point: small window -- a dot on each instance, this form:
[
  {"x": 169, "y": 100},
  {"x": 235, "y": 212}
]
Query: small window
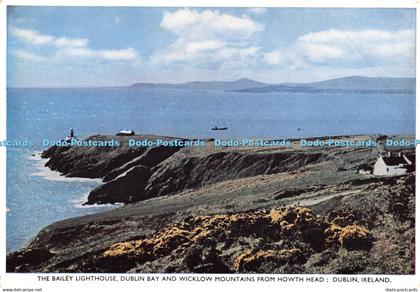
[{"x": 387, "y": 169}]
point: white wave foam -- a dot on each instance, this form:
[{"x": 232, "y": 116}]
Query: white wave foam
[
  {"x": 78, "y": 203},
  {"x": 51, "y": 175}
]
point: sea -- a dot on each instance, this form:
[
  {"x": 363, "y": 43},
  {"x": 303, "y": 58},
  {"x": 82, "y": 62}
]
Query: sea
[{"x": 37, "y": 196}]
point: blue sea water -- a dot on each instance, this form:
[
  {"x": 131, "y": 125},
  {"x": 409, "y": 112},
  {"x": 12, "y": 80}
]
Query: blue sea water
[{"x": 37, "y": 197}]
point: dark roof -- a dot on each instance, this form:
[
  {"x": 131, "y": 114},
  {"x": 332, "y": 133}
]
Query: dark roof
[
  {"x": 365, "y": 167},
  {"x": 394, "y": 160}
]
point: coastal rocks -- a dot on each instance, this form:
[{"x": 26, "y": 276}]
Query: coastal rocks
[
  {"x": 127, "y": 183},
  {"x": 90, "y": 162},
  {"x": 127, "y": 188},
  {"x": 125, "y": 170},
  {"x": 176, "y": 175},
  {"x": 168, "y": 175},
  {"x": 152, "y": 156},
  {"x": 54, "y": 150},
  {"x": 104, "y": 162}
]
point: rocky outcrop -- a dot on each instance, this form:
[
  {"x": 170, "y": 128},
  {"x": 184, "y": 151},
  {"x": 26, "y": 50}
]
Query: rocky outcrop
[
  {"x": 132, "y": 174},
  {"x": 175, "y": 175},
  {"x": 127, "y": 169},
  {"x": 108, "y": 161},
  {"x": 127, "y": 188},
  {"x": 90, "y": 162},
  {"x": 150, "y": 157}
]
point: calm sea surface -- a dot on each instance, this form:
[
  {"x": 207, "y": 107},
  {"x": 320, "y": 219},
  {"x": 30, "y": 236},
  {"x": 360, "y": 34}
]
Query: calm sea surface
[{"x": 37, "y": 197}]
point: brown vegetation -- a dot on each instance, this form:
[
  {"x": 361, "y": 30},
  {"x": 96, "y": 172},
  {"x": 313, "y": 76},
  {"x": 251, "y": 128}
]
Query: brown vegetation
[{"x": 281, "y": 230}]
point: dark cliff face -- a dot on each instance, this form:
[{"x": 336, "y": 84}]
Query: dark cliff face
[
  {"x": 132, "y": 174},
  {"x": 98, "y": 162},
  {"x": 125, "y": 189},
  {"x": 151, "y": 157},
  {"x": 176, "y": 175},
  {"x": 132, "y": 163}
]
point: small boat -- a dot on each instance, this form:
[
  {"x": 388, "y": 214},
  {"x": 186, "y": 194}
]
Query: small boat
[
  {"x": 126, "y": 133},
  {"x": 219, "y": 129}
]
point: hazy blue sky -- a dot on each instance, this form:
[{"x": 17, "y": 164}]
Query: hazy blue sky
[{"x": 108, "y": 46}]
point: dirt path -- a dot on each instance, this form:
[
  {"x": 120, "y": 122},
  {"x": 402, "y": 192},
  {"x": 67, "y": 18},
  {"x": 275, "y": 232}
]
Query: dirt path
[{"x": 316, "y": 198}]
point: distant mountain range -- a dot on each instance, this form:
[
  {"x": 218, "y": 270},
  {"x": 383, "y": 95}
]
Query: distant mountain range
[
  {"x": 352, "y": 84},
  {"x": 210, "y": 85}
]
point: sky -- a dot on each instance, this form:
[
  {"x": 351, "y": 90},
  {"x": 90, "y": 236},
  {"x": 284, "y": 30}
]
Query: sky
[{"x": 118, "y": 46}]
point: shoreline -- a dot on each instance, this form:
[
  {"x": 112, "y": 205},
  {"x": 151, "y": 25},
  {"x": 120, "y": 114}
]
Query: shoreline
[{"x": 50, "y": 175}]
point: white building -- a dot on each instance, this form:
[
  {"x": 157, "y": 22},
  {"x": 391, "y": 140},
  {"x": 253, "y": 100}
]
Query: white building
[{"x": 392, "y": 165}]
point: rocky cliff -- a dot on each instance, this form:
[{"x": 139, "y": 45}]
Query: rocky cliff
[{"x": 132, "y": 174}]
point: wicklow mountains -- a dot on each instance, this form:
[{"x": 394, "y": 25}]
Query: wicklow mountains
[
  {"x": 352, "y": 84},
  {"x": 240, "y": 84}
]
